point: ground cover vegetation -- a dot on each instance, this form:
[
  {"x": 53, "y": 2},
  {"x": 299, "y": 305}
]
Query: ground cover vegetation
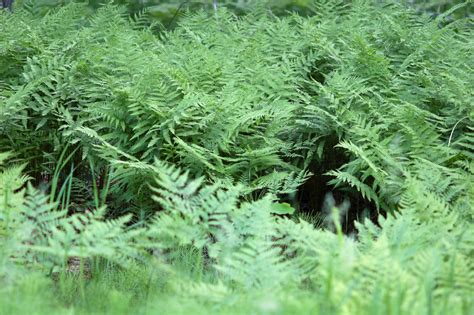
[{"x": 237, "y": 162}]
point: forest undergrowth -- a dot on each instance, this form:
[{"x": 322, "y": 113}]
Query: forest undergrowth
[{"x": 237, "y": 164}]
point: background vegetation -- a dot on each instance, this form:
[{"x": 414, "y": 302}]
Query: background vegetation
[{"x": 270, "y": 157}]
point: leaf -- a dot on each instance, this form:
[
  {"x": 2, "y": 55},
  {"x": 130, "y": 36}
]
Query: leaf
[{"x": 282, "y": 208}]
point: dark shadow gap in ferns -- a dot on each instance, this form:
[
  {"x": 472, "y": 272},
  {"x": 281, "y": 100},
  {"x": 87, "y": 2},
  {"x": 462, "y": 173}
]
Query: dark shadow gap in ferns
[
  {"x": 312, "y": 197},
  {"x": 320, "y": 69}
]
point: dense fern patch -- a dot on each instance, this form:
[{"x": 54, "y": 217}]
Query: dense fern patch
[{"x": 220, "y": 136}]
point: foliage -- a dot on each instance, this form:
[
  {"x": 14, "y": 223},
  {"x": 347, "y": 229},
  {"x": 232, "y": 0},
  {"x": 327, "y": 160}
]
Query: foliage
[
  {"x": 185, "y": 151},
  {"x": 34, "y": 233}
]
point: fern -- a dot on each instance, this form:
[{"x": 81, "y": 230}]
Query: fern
[{"x": 198, "y": 130}]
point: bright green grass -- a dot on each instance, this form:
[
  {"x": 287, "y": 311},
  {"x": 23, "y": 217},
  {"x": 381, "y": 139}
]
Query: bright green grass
[
  {"x": 115, "y": 292},
  {"x": 144, "y": 290},
  {"x": 156, "y": 290}
]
